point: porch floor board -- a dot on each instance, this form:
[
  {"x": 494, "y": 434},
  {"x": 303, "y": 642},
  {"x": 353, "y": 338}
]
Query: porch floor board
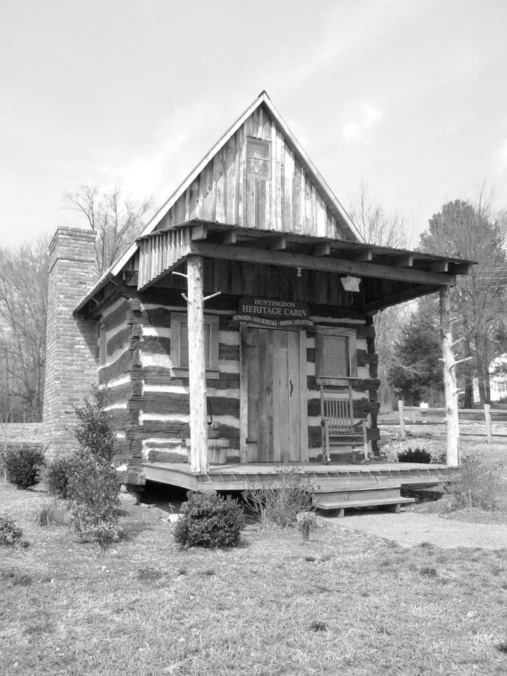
[{"x": 237, "y": 476}]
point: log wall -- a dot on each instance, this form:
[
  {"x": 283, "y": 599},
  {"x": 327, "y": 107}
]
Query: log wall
[{"x": 150, "y": 405}]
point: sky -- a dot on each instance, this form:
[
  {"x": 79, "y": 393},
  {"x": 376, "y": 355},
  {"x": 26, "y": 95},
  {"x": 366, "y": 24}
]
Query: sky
[{"x": 408, "y": 96}]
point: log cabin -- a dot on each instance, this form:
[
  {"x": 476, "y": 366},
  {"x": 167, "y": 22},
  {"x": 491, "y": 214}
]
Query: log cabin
[{"x": 236, "y": 334}]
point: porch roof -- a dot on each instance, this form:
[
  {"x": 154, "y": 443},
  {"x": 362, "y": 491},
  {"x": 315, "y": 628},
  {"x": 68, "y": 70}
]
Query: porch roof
[{"x": 413, "y": 273}]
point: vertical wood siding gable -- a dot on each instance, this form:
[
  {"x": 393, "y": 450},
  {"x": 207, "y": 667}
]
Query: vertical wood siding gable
[{"x": 223, "y": 192}]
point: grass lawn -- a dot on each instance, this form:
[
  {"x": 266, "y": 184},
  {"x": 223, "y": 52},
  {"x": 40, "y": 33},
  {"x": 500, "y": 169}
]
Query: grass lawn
[{"x": 344, "y": 603}]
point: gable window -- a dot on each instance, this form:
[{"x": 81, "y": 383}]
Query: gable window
[
  {"x": 180, "y": 356},
  {"x": 258, "y": 158},
  {"x": 335, "y": 353}
]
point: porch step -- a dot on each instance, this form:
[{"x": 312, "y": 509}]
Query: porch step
[
  {"x": 360, "y": 496},
  {"x": 338, "y": 508},
  {"x": 325, "y": 486}
]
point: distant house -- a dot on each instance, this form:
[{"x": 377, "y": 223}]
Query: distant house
[
  {"x": 497, "y": 380},
  {"x": 244, "y": 307}
]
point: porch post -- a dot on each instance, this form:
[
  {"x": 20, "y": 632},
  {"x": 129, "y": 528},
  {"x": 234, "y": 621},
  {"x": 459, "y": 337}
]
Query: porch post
[
  {"x": 197, "y": 366},
  {"x": 450, "y": 387}
]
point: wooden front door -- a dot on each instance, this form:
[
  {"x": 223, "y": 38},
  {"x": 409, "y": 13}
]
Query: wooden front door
[{"x": 274, "y": 395}]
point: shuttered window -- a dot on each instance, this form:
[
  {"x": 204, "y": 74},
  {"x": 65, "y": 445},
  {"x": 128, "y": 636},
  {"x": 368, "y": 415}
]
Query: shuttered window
[
  {"x": 336, "y": 356},
  {"x": 335, "y": 353},
  {"x": 180, "y": 356}
]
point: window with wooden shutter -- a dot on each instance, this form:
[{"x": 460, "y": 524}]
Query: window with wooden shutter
[
  {"x": 179, "y": 344},
  {"x": 335, "y": 353}
]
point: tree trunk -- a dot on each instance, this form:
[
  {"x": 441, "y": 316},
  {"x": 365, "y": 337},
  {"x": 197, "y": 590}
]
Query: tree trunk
[
  {"x": 468, "y": 376},
  {"x": 450, "y": 387},
  {"x": 197, "y": 366},
  {"x": 487, "y": 383},
  {"x": 480, "y": 370}
]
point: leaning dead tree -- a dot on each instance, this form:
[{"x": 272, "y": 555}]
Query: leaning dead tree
[{"x": 450, "y": 384}]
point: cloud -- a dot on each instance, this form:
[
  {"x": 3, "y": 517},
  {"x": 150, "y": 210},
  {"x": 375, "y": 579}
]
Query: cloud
[
  {"x": 173, "y": 149},
  {"x": 145, "y": 173},
  {"x": 503, "y": 155},
  {"x": 353, "y": 30},
  {"x": 359, "y": 130}
]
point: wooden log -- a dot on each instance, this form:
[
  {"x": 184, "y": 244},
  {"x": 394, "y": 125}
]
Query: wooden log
[
  {"x": 159, "y": 317},
  {"x": 229, "y": 352},
  {"x": 117, "y": 317},
  {"x": 122, "y": 365},
  {"x": 165, "y": 402},
  {"x": 365, "y": 358},
  {"x": 118, "y": 394},
  {"x": 450, "y": 387},
  {"x": 197, "y": 366},
  {"x": 118, "y": 340},
  {"x": 156, "y": 345}
]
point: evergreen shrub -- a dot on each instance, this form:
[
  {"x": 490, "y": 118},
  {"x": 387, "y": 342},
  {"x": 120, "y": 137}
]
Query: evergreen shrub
[
  {"x": 415, "y": 455},
  {"x": 10, "y": 533},
  {"x": 24, "y": 466},
  {"x": 394, "y": 451},
  {"x": 93, "y": 484},
  {"x": 57, "y": 474},
  {"x": 209, "y": 521},
  {"x": 94, "y": 502},
  {"x": 94, "y": 430}
]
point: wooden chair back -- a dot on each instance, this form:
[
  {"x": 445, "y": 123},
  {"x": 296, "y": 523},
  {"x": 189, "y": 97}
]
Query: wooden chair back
[
  {"x": 338, "y": 412},
  {"x": 339, "y": 424}
]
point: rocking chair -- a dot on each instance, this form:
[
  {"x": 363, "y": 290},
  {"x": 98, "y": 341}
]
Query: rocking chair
[{"x": 340, "y": 428}]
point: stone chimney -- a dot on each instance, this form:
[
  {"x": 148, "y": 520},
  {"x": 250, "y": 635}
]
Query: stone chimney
[{"x": 71, "y": 363}]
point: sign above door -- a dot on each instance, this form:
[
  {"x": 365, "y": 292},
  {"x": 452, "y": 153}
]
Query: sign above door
[{"x": 273, "y": 313}]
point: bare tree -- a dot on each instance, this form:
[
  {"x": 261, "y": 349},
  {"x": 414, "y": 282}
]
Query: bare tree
[
  {"x": 375, "y": 224},
  {"x": 23, "y": 302},
  {"x": 390, "y": 229},
  {"x": 117, "y": 220},
  {"x": 474, "y": 231}
]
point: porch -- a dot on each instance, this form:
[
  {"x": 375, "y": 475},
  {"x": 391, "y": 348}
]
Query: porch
[{"x": 337, "y": 486}]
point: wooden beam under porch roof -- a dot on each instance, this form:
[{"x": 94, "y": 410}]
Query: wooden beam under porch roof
[{"x": 162, "y": 251}]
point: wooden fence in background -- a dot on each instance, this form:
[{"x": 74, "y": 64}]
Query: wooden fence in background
[{"x": 415, "y": 415}]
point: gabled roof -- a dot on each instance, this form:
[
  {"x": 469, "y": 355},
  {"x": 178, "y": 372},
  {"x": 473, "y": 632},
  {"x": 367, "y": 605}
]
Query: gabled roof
[{"x": 333, "y": 205}]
